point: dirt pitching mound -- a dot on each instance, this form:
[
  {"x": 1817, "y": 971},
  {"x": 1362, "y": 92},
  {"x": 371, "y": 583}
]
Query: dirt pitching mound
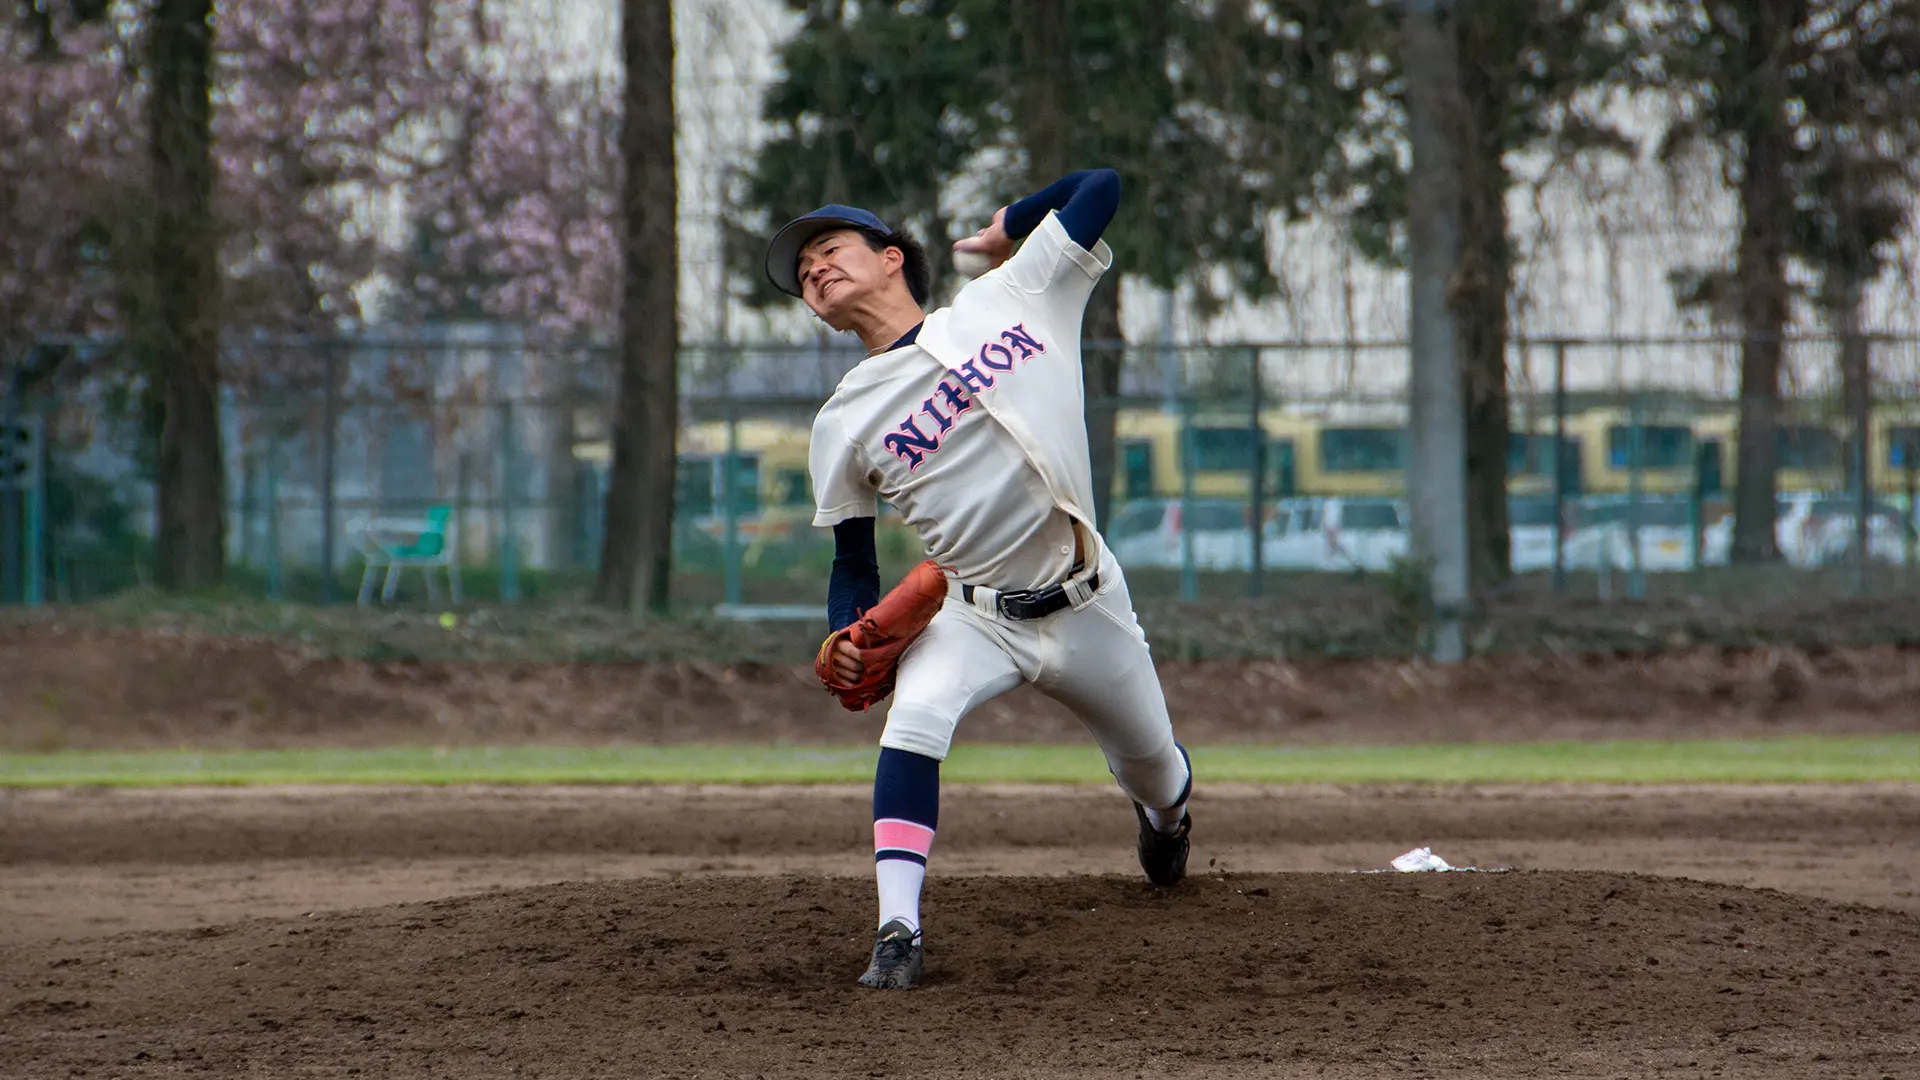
[{"x": 1346, "y": 975}]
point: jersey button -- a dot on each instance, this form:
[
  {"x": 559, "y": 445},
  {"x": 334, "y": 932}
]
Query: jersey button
[{"x": 1066, "y": 549}]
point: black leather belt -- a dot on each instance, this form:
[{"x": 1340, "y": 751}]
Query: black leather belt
[{"x": 1033, "y": 603}]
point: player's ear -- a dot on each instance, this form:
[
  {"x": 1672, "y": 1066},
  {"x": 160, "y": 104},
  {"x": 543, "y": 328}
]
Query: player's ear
[{"x": 895, "y": 260}]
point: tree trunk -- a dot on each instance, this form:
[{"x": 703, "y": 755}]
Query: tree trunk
[
  {"x": 1478, "y": 297},
  {"x": 638, "y": 548},
  {"x": 1766, "y": 215},
  {"x": 1436, "y": 479},
  {"x": 1856, "y": 380},
  {"x": 1046, "y": 106},
  {"x": 190, "y": 482}
]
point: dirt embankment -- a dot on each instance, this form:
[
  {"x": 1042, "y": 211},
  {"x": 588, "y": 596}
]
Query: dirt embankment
[{"x": 70, "y": 688}]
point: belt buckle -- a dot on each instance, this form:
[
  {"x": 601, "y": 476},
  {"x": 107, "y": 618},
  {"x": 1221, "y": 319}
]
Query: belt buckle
[{"x": 1014, "y": 604}]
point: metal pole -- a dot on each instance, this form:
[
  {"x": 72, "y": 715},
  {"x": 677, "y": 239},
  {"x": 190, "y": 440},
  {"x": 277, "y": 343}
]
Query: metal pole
[
  {"x": 1863, "y": 472},
  {"x": 329, "y": 419},
  {"x": 1910, "y": 450},
  {"x": 730, "y": 539},
  {"x": 1189, "y": 580},
  {"x": 509, "y": 540},
  {"x": 1257, "y": 487},
  {"x": 36, "y": 511},
  {"x": 274, "y": 583},
  {"x": 1559, "y": 468},
  {"x": 1636, "y": 464},
  {"x": 1697, "y": 512},
  {"x": 1436, "y": 475},
  {"x": 12, "y": 453}
]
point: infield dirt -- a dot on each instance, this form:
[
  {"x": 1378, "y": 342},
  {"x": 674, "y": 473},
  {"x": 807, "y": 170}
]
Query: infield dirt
[{"x": 1754, "y": 932}]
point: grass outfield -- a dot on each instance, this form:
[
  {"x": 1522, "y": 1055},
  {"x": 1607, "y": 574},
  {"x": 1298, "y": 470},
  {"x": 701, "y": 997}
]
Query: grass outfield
[{"x": 1797, "y": 759}]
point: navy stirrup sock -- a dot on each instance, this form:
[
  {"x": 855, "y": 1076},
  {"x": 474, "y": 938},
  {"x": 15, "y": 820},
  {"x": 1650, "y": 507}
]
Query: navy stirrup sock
[{"x": 906, "y": 809}]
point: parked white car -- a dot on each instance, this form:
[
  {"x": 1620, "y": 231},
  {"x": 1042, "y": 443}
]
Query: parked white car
[
  {"x": 1335, "y": 534},
  {"x": 1663, "y": 526},
  {"x": 1532, "y": 532},
  {"x": 1820, "y": 530},
  {"x": 1147, "y": 533}
]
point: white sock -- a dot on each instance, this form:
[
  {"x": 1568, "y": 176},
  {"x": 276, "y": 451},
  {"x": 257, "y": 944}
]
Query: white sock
[
  {"x": 1167, "y": 821},
  {"x": 899, "y": 881}
]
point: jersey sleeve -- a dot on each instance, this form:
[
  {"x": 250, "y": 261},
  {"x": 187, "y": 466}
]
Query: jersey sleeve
[
  {"x": 842, "y": 488},
  {"x": 1050, "y": 263}
]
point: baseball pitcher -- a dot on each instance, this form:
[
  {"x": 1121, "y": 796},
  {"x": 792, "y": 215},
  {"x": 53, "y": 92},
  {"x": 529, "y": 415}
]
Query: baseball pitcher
[{"x": 968, "y": 420}]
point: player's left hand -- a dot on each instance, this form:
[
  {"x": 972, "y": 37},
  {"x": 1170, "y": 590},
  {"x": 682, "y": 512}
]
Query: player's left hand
[
  {"x": 869, "y": 650},
  {"x": 992, "y": 241}
]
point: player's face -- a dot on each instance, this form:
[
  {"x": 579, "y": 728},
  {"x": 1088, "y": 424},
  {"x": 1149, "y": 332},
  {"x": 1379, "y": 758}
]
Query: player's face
[{"x": 838, "y": 272}]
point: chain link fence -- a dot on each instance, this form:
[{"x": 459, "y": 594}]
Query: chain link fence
[{"x": 1243, "y": 470}]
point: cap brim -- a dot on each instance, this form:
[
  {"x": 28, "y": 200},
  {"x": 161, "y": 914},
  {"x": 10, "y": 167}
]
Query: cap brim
[{"x": 783, "y": 254}]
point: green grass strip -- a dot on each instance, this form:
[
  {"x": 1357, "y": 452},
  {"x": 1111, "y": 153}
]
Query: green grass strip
[{"x": 1783, "y": 760}]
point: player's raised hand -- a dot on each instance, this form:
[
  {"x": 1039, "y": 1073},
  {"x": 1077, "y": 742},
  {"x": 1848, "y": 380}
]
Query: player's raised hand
[{"x": 992, "y": 241}]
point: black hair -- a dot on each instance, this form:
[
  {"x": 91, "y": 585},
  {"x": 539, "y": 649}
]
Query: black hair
[{"x": 914, "y": 267}]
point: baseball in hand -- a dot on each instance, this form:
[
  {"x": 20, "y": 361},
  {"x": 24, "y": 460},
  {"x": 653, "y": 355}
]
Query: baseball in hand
[{"x": 972, "y": 264}]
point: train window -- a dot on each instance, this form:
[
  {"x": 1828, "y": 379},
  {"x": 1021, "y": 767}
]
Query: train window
[
  {"x": 1662, "y": 446},
  {"x": 1223, "y": 448},
  {"x": 1532, "y": 454},
  {"x": 697, "y": 480},
  {"x": 1283, "y": 473},
  {"x": 1362, "y": 449},
  {"x": 1136, "y": 468},
  {"x": 1903, "y": 447},
  {"x": 746, "y": 483},
  {"x": 1806, "y": 446}
]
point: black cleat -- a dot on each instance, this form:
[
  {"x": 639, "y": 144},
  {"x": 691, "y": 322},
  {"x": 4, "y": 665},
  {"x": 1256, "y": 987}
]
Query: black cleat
[
  {"x": 1163, "y": 855},
  {"x": 896, "y": 957}
]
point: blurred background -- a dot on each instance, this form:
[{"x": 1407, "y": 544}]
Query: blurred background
[{"x": 298, "y": 300}]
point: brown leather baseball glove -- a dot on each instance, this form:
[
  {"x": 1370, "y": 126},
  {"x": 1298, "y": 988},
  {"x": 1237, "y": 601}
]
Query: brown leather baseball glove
[{"x": 882, "y": 634}]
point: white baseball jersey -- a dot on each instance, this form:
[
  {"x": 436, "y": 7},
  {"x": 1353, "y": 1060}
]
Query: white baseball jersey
[{"x": 976, "y": 432}]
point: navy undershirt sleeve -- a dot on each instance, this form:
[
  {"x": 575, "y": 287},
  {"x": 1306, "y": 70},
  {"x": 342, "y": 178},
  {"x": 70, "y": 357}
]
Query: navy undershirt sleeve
[
  {"x": 1086, "y": 201},
  {"x": 854, "y": 585}
]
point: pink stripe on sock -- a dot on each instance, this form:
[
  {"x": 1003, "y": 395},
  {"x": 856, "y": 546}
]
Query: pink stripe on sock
[{"x": 893, "y": 834}]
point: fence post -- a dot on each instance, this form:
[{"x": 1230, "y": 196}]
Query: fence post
[
  {"x": 244, "y": 542},
  {"x": 10, "y": 495},
  {"x": 509, "y": 540},
  {"x": 730, "y": 518},
  {"x": 1910, "y": 447},
  {"x": 1189, "y": 580},
  {"x": 36, "y": 511},
  {"x": 329, "y": 418},
  {"x": 1257, "y": 486},
  {"x": 1559, "y": 468},
  {"x": 1636, "y": 466},
  {"x": 274, "y": 589},
  {"x": 1863, "y": 471},
  {"x": 1697, "y": 511}
]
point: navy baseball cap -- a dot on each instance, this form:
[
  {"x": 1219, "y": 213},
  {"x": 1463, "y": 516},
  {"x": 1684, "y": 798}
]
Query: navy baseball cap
[{"x": 783, "y": 255}]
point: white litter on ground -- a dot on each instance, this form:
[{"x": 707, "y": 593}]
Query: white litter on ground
[{"x": 1421, "y": 858}]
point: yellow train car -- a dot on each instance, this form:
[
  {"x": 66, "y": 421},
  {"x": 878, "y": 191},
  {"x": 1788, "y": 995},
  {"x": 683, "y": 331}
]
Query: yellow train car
[
  {"x": 1152, "y": 447},
  {"x": 1895, "y": 450},
  {"x": 1666, "y": 457},
  {"x": 1358, "y": 455}
]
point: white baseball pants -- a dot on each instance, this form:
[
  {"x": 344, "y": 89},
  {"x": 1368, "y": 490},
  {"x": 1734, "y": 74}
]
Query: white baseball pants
[{"x": 1093, "y": 659}]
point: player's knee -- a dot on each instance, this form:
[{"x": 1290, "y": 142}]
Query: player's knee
[{"x": 918, "y": 729}]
